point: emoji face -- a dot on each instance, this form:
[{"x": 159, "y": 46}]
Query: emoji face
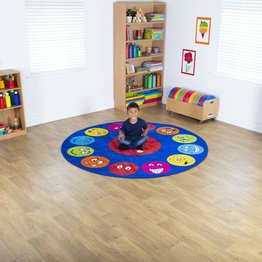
[
  {"x": 167, "y": 130},
  {"x": 184, "y": 138},
  {"x": 95, "y": 161},
  {"x": 156, "y": 167},
  {"x": 80, "y": 151},
  {"x": 82, "y": 140},
  {"x": 181, "y": 160},
  {"x": 96, "y": 131},
  {"x": 123, "y": 168},
  {"x": 191, "y": 149},
  {"x": 115, "y": 127}
]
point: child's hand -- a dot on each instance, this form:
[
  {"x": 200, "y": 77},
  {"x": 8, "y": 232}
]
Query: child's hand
[{"x": 121, "y": 136}]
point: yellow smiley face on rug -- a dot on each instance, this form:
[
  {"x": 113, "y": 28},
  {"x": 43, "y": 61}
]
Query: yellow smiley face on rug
[
  {"x": 181, "y": 160},
  {"x": 96, "y": 131}
]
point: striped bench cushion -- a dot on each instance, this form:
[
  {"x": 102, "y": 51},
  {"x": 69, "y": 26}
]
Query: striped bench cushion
[{"x": 189, "y": 96}]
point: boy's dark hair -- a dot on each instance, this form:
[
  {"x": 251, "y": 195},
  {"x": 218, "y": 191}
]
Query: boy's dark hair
[{"x": 132, "y": 105}]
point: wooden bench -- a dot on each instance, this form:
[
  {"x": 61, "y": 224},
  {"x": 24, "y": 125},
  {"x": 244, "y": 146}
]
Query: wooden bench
[{"x": 192, "y": 103}]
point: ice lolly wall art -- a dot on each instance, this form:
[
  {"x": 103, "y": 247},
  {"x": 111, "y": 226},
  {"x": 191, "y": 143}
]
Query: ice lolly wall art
[{"x": 203, "y": 26}]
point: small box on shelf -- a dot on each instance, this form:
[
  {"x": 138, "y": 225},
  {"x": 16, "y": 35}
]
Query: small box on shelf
[
  {"x": 155, "y": 17},
  {"x": 154, "y": 33}
]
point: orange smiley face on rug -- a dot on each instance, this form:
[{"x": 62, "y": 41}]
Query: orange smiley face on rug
[
  {"x": 95, "y": 161},
  {"x": 167, "y": 130}
]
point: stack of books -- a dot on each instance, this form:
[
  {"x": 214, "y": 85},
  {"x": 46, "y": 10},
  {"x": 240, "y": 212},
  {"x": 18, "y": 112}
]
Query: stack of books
[
  {"x": 152, "y": 66},
  {"x": 152, "y": 96}
]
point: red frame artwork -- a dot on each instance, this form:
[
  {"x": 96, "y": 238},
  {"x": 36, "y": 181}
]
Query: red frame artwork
[
  {"x": 188, "y": 62},
  {"x": 203, "y": 28}
]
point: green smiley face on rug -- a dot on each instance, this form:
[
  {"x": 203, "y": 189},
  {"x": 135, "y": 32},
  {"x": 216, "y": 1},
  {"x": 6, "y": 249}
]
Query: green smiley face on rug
[
  {"x": 184, "y": 138},
  {"x": 79, "y": 151}
]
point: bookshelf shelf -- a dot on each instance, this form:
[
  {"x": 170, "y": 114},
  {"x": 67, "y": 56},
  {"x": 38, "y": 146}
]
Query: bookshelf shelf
[
  {"x": 142, "y": 73},
  {"x": 10, "y": 108},
  {"x": 145, "y": 24},
  {"x": 13, "y": 134},
  {"x": 6, "y": 90},
  {"x": 145, "y": 57},
  {"x": 143, "y": 40},
  {"x": 124, "y": 31}
]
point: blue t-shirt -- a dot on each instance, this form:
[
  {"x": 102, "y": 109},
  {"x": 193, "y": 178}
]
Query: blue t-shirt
[{"x": 133, "y": 131}]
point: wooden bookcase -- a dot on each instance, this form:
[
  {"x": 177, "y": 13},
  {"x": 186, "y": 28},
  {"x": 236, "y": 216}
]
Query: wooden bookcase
[
  {"x": 120, "y": 42},
  {"x": 7, "y": 114}
]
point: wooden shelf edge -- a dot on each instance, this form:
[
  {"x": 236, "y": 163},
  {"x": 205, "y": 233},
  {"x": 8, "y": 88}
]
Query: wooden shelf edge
[
  {"x": 145, "y": 57},
  {"x": 9, "y": 89},
  {"x": 8, "y": 72},
  {"x": 146, "y": 23},
  {"x": 143, "y": 40},
  {"x": 10, "y": 108},
  {"x": 13, "y": 134},
  {"x": 143, "y": 73}
]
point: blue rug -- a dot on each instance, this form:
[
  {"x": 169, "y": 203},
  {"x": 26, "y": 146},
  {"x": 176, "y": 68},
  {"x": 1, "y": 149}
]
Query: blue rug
[{"x": 169, "y": 150}]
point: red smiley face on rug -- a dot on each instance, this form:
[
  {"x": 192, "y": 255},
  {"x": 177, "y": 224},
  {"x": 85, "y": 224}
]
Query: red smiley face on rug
[{"x": 123, "y": 168}]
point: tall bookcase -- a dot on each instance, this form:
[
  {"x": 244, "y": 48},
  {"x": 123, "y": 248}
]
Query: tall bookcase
[
  {"x": 120, "y": 42},
  {"x": 8, "y": 114}
]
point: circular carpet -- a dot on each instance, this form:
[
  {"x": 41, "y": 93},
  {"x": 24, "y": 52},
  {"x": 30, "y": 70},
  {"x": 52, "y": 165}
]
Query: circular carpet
[{"x": 169, "y": 150}]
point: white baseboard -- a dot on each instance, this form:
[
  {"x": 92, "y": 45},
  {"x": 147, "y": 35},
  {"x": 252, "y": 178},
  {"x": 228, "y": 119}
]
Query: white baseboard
[
  {"x": 236, "y": 121},
  {"x": 49, "y": 116},
  {"x": 240, "y": 122}
]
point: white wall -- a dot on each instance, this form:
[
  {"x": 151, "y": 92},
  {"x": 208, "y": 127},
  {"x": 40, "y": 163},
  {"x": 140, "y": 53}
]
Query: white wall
[
  {"x": 57, "y": 96},
  {"x": 61, "y": 95},
  {"x": 241, "y": 102}
]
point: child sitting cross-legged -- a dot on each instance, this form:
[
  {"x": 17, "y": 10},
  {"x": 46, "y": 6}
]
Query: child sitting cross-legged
[{"x": 133, "y": 133}]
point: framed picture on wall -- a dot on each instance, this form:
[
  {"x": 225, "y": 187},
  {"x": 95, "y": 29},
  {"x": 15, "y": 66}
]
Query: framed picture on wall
[
  {"x": 188, "y": 62},
  {"x": 203, "y": 27}
]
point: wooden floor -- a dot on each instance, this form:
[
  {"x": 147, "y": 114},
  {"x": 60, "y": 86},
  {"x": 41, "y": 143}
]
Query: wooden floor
[{"x": 52, "y": 211}]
